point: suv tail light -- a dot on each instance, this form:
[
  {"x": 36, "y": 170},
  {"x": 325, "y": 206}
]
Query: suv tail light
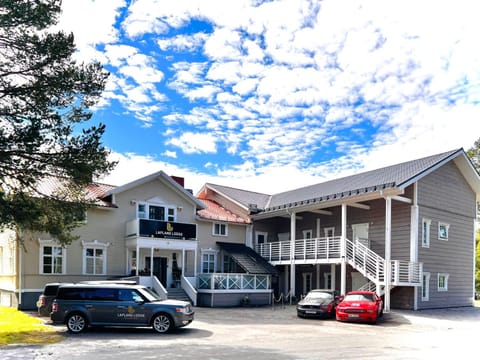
[
  {"x": 54, "y": 307},
  {"x": 42, "y": 300}
]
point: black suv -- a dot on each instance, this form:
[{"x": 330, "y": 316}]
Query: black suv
[{"x": 81, "y": 305}]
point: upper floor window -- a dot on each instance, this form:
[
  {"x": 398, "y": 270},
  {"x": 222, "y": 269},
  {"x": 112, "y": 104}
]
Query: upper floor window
[
  {"x": 220, "y": 229},
  {"x": 426, "y": 232},
  {"x": 95, "y": 258},
  {"x": 156, "y": 212},
  {"x": 442, "y": 282},
  {"x": 307, "y": 234},
  {"x": 443, "y": 231},
  {"x": 52, "y": 258}
]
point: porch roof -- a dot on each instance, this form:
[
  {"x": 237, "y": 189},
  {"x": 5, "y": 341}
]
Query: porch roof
[{"x": 248, "y": 259}]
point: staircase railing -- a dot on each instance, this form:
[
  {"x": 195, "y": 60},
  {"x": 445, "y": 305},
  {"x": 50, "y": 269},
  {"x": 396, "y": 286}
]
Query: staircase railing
[
  {"x": 369, "y": 263},
  {"x": 189, "y": 289}
]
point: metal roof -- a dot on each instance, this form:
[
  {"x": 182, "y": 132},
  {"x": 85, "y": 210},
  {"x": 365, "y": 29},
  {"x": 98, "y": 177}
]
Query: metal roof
[{"x": 248, "y": 259}]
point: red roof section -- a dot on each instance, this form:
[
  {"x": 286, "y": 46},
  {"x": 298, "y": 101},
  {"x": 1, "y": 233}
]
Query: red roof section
[{"x": 215, "y": 211}]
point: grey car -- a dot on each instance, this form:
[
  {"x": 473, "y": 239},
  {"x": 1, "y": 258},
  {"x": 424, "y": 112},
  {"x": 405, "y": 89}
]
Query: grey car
[
  {"x": 81, "y": 305},
  {"x": 45, "y": 300}
]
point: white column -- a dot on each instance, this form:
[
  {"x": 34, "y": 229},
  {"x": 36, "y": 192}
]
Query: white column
[
  {"x": 151, "y": 262},
  {"x": 318, "y": 228},
  {"x": 332, "y": 271},
  {"x": 388, "y": 250},
  {"x": 195, "y": 263},
  {"x": 249, "y": 237},
  {"x": 318, "y": 276},
  {"x": 343, "y": 252},
  {"x": 137, "y": 258},
  {"x": 292, "y": 254},
  {"x": 414, "y": 227}
]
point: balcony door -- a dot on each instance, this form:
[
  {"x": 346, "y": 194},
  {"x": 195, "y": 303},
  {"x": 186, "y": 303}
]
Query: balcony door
[{"x": 156, "y": 212}]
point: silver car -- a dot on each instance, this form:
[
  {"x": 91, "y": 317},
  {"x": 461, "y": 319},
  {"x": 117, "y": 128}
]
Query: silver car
[{"x": 81, "y": 305}]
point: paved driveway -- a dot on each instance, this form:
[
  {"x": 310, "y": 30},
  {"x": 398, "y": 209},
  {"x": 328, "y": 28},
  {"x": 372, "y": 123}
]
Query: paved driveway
[{"x": 264, "y": 333}]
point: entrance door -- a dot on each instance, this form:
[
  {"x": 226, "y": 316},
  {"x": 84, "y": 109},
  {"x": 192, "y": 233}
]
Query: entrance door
[
  {"x": 159, "y": 268},
  {"x": 307, "y": 283},
  {"x": 360, "y": 234}
]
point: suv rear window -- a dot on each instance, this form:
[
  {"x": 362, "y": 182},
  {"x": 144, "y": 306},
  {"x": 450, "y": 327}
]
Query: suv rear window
[{"x": 50, "y": 290}]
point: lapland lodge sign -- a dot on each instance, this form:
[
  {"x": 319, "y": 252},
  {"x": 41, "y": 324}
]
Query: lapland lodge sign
[{"x": 167, "y": 229}]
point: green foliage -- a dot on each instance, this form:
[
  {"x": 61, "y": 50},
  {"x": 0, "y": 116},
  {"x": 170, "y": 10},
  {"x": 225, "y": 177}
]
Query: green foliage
[
  {"x": 474, "y": 154},
  {"x": 45, "y": 101}
]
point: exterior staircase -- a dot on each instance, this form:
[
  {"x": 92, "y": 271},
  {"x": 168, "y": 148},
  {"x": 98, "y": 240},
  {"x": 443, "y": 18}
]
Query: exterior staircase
[{"x": 178, "y": 294}]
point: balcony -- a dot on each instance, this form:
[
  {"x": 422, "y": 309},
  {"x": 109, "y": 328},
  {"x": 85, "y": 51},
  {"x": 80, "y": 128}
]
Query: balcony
[
  {"x": 161, "y": 229},
  {"x": 231, "y": 281}
]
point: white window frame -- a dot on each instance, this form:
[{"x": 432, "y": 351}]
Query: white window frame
[
  {"x": 443, "y": 228},
  {"x": 95, "y": 245},
  {"x": 308, "y": 234},
  {"x": 425, "y": 286},
  {"x": 170, "y": 213},
  {"x": 445, "y": 276},
  {"x": 217, "y": 229},
  {"x": 210, "y": 253},
  {"x": 261, "y": 233},
  {"x": 426, "y": 224},
  {"x": 52, "y": 244},
  {"x": 327, "y": 230}
]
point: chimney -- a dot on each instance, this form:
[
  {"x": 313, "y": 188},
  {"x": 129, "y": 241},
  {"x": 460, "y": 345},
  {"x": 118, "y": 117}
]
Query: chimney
[{"x": 179, "y": 180}]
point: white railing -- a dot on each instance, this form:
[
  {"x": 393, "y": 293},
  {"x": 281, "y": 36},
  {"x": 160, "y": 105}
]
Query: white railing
[
  {"x": 369, "y": 263},
  {"x": 233, "y": 281},
  {"x": 406, "y": 272},
  {"x": 190, "y": 290},
  {"x": 158, "y": 287},
  {"x": 305, "y": 249}
]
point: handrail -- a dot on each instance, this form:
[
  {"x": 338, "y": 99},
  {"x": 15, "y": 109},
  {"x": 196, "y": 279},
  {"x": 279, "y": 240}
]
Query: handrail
[
  {"x": 158, "y": 287},
  {"x": 189, "y": 289}
]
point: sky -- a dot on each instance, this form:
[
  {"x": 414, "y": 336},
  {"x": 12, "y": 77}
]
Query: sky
[{"x": 270, "y": 96}]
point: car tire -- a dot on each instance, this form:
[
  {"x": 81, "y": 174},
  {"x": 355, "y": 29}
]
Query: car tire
[
  {"x": 76, "y": 323},
  {"x": 162, "y": 323}
]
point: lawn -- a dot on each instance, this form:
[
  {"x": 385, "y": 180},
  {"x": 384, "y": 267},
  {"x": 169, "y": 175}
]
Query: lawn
[{"x": 17, "y": 327}]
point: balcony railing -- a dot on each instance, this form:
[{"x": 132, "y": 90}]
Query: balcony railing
[
  {"x": 161, "y": 229},
  {"x": 233, "y": 281},
  {"x": 305, "y": 249}
]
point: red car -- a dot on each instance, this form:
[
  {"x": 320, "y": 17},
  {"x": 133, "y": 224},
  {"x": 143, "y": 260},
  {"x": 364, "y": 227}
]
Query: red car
[{"x": 365, "y": 306}]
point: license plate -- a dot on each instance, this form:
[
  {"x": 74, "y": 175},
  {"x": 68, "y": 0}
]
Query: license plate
[
  {"x": 310, "y": 312},
  {"x": 353, "y": 315}
]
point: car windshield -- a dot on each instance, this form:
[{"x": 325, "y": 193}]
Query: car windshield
[
  {"x": 319, "y": 295},
  {"x": 149, "y": 294},
  {"x": 359, "y": 297}
]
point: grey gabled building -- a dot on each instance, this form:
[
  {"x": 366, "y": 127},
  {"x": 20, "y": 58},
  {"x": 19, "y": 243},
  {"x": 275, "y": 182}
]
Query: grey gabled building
[{"x": 407, "y": 231}]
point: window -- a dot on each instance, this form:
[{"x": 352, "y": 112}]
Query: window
[
  {"x": 52, "y": 258},
  {"x": 329, "y": 232},
  {"x": 208, "y": 261},
  {"x": 425, "y": 286},
  {"x": 95, "y": 257},
  {"x": 442, "y": 282},
  {"x": 220, "y": 229},
  {"x": 443, "y": 231},
  {"x": 307, "y": 234},
  {"x": 156, "y": 212},
  {"x": 229, "y": 265},
  {"x": 426, "y": 232}
]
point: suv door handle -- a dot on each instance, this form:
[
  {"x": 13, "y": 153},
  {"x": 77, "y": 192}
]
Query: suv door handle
[
  {"x": 88, "y": 306},
  {"x": 122, "y": 307}
]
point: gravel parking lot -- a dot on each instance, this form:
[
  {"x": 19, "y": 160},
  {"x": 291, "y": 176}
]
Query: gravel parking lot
[{"x": 266, "y": 333}]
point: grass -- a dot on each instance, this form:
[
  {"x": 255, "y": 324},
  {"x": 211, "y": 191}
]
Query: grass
[{"x": 19, "y": 328}]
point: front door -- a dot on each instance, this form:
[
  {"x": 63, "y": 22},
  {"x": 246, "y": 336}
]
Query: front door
[
  {"x": 159, "y": 268},
  {"x": 360, "y": 234}
]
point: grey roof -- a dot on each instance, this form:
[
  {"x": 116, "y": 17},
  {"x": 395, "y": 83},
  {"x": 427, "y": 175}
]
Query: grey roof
[
  {"x": 248, "y": 259},
  {"x": 243, "y": 197},
  {"x": 395, "y": 176}
]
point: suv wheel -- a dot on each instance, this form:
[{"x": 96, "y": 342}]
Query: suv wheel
[
  {"x": 76, "y": 323},
  {"x": 162, "y": 323}
]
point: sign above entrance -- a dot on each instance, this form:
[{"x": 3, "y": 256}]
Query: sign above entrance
[{"x": 167, "y": 229}]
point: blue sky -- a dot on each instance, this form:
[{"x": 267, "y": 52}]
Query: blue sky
[{"x": 274, "y": 95}]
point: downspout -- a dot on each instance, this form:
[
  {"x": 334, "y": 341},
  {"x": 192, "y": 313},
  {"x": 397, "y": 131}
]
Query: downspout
[{"x": 414, "y": 223}]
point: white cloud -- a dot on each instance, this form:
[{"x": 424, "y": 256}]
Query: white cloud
[{"x": 192, "y": 143}]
